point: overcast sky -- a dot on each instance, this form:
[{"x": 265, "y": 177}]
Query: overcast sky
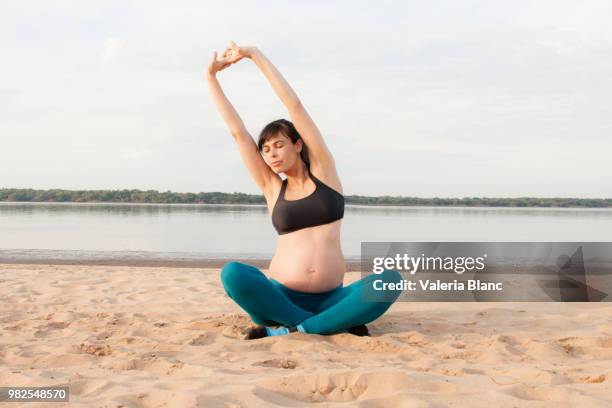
[{"x": 441, "y": 98}]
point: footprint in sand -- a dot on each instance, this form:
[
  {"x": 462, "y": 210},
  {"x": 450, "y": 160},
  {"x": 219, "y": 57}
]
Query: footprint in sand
[
  {"x": 351, "y": 386},
  {"x": 49, "y": 328},
  {"x": 277, "y": 363},
  {"x": 95, "y": 349},
  {"x": 593, "y": 379},
  {"x": 202, "y": 340},
  {"x": 546, "y": 393}
]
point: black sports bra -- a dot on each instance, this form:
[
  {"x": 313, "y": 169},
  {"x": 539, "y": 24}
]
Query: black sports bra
[{"x": 323, "y": 206}]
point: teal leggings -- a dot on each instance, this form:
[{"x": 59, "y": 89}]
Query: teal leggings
[{"x": 270, "y": 303}]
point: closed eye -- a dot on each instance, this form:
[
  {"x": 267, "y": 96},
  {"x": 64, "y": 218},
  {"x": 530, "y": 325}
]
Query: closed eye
[{"x": 278, "y": 145}]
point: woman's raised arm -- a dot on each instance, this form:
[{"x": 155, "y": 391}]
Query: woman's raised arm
[
  {"x": 224, "y": 106},
  {"x": 317, "y": 149},
  {"x": 255, "y": 164}
]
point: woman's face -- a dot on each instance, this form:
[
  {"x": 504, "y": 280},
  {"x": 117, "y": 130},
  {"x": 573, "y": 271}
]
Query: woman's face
[{"x": 280, "y": 154}]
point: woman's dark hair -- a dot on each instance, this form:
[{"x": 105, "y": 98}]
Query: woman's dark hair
[{"x": 286, "y": 128}]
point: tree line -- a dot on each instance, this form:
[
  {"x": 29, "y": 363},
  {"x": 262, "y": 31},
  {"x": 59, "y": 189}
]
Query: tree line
[{"x": 169, "y": 197}]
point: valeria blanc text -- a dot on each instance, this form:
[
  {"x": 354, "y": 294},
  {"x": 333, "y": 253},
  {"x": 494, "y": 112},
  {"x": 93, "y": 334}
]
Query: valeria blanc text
[{"x": 437, "y": 285}]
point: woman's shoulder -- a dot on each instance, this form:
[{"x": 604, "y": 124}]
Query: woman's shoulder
[{"x": 327, "y": 174}]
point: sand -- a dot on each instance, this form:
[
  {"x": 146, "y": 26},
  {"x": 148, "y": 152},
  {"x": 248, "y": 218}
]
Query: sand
[{"x": 170, "y": 337}]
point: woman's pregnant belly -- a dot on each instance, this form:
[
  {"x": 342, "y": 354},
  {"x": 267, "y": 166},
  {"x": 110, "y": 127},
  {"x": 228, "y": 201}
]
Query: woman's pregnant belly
[{"x": 309, "y": 260}]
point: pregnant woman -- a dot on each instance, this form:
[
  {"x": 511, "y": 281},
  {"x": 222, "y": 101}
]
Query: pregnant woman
[{"x": 304, "y": 291}]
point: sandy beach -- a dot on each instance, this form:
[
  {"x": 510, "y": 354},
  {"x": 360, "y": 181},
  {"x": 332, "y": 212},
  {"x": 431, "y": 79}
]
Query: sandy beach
[{"x": 134, "y": 336}]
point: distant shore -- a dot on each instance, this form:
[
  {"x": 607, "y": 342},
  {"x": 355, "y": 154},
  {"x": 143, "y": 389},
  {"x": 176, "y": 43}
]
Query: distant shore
[{"x": 169, "y": 197}]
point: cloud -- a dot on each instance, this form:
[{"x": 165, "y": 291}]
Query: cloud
[{"x": 111, "y": 48}]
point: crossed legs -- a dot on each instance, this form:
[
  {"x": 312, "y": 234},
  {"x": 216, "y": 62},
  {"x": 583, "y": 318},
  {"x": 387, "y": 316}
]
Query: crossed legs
[{"x": 268, "y": 305}]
